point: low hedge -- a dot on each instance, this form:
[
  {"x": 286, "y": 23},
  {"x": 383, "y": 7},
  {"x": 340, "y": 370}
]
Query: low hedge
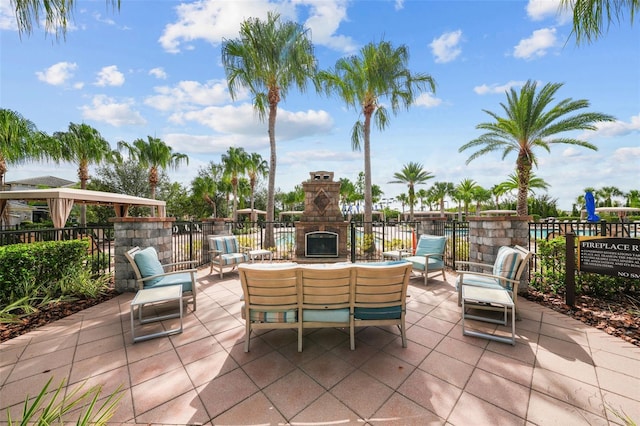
[{"x": 39, "y": 262}]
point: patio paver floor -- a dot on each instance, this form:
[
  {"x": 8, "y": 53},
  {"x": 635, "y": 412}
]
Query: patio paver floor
[{"x": 559, "y": 372}]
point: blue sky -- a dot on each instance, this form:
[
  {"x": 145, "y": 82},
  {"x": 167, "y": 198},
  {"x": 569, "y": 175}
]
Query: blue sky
[{"x": 154, "y": 68}]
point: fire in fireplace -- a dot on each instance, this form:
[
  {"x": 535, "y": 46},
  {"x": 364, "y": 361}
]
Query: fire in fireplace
[{"x": 321, "y": 244}]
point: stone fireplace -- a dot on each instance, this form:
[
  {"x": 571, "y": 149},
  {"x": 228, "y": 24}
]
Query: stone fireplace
[{"x": 321, "y": 232}]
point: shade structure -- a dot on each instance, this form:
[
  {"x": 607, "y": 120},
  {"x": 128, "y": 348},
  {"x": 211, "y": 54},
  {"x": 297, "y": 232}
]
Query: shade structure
[{"x": 60, "y": 201}]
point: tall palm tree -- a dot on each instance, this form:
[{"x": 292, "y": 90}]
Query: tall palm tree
[
  {"x": 156, "y": 155},
  {"x": 378, "y": 74},
  {"x": 57, "y": 14},
  {"x": 532, "y": 122},
  {"x": 256, "y": 168},
  {"x": 423, "y": 197},
  {"x": 481, "y": 195},
  {"x": 633, "y": 198},
  {"x": 268, "y": 59},
  {"x": 205, "y": 187},
  {"x": 18, "y": 138},
  {"x": 83, "y": 145},
  {"x": 606, "y": 193},
  {"x": 591, "y": 17},
  {"x": 235, "y": 165},
  {"x": 403, "y": 199},
  {"x": 412, "y": 174},
  {"x": 439, "y": 191},
  {"x": 464, "y": 191}
]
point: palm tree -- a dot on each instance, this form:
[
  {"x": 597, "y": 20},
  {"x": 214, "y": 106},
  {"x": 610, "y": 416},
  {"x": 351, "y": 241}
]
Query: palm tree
[
  {"x": 379, "y": 71},
  {"x": 57, "y": 14},
  {"x": 154, "y": 154},
  {"x": 532, "y": 122},
  {"x": 512, "y": 183},
  {"x": 464, "y": 192},
  {"x": 256, "y": 167},
  {"x": 412, "y": 174},
  {"x": 481, "y": 195},
  {"x": 205, "y": 187},
  {"x": 235, "y": 165},
  {"x": 439, "y": 191},
  {"x": 423, "y": 197},
  {"x": 269, "y": 57},
  {"x": 633, "y": 198},
  {"x": 606, "y": 193},
  {"x": 403, "y": 199},
  {"x": 83, "y": 145},
  {"x": 18, "y": 138},
  {"x": 498, "y": 191},
  {"x": 590, "y": 17}
]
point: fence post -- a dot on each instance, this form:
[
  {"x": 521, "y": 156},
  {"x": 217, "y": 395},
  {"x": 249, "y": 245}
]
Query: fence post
[
  {"x": 353, "y": 242},
  {"x": 454, "y": 234},
  {"x": 603, "y": 228},
  {"x": 570, "y": 270}
]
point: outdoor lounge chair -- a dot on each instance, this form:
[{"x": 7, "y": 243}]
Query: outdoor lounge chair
[
  {"x": 505, "y": 273},
  {"x": 429, "y": 256},
  {"x": 151, "y": 273},
  {"x": 270, "y": 299},
  {"x": 225, "y": 251},
  {"x": 379, "y": 297}
]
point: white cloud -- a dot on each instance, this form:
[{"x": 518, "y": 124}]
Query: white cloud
[
  {"x": 538, "y": 10},
  {"x": 624, "y": 155},
  {"x": 497, "y": 88},
  {"x": 158, "y": 73},
  {"x": 211, "y": 21},
  {"x": 57, "y": 74},
  {"x": 107, "y": 110},
  {"x": 242, "y": 120},
  {"x": 109, "y": 76},
  {"x": 324, "y": 20},
  {"x": 189, "y": 94},
  {"x": 319, "y": 155},
  {"x": 536, "y": 45},
  {"x": 399, "y": 4},
  {"x": 98, "y": 17},
  {"x": 615, "y": 128},
  {"x": 446, "y": 47},
  {"x": 427, "y": 100},
  {"x": 7, "y": 17}
]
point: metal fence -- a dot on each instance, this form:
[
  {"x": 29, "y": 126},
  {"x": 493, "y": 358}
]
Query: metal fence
[{"x": 190, "y": 238}]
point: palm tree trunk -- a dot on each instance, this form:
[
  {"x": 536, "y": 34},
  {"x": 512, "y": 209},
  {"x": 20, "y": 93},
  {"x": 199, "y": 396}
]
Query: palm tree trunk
[
  {"x": 83, "y": 175},
  {"x": 271, "y": 191},
  {"x": 524, "y": 170},
  {"x": 368, "y": 216}
]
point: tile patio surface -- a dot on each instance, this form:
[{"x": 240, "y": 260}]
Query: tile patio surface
[{"x": 559, "y": 372}]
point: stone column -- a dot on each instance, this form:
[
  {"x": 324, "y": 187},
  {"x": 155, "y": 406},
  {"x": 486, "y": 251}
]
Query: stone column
[
  {"x": 142, "y": 232},
  {"x": 487, "y": 234}
]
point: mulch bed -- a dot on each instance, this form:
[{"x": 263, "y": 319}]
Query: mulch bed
[{"x": 619, "y": 317}]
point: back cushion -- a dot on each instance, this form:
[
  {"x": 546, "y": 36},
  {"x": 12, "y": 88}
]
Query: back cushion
[
  {"x": 430, "y": 244},
  {"x": 225, "y": 244},
  {"x": 148, "y": 264},
  {"x": 507, "y": 262}
]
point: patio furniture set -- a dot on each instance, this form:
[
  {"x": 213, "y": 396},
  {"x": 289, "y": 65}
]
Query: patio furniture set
[{"x": 350, "y": 295}]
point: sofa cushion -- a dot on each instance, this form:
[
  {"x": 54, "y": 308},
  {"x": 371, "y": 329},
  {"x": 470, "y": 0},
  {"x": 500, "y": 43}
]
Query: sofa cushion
[
  {"x": 148, "y": 265},
  {"x": 326, "y": 315},
  {"x": 225, "y": 244},
  {"x": 507, "y": 262},
  {"x": 430, "y": 244},
  {"x": 231, "y": 258},
  {"x": 482, "y": 281},
  {"x": 183, "y": 278},
  {"x": 272, "y": 316},
  {"x": 418, "y": 262},
  {"x": 391, "y": 312}
]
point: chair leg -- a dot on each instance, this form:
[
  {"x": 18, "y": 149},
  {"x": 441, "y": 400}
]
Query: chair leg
[
  {"x": 352, "y": 337},
  {"x": 247, "y": 337}
]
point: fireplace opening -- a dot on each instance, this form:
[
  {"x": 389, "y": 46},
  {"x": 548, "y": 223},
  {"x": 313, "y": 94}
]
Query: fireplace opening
[{"x": 321, "y": 244}]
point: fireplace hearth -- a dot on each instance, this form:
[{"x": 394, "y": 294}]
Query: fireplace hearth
[{"x": 321, "y": 232}]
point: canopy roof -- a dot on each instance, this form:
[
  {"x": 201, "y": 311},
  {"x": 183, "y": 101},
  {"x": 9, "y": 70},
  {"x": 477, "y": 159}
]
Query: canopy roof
[{"x": 60, "y": 201}]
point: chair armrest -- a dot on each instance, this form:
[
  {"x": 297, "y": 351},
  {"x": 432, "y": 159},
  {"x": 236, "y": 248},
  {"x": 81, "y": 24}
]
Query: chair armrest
[
  {"x": 428, "y": 255},
  {"x": 215, "y": 253},
  {"x": 185, "y": 262},
  {"x": 151, "y": 277}
]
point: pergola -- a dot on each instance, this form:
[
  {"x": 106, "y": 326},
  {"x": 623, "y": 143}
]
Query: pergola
[{"x": 61, "y": 200}]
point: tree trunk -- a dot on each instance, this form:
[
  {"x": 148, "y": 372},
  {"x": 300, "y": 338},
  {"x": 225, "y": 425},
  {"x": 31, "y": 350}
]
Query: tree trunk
[
  {"x": 368, "y": 215},
  {"x": 83, "y": 175},
  {"x": 523, "y": 172},
  {"x": 271, "y": 191}
]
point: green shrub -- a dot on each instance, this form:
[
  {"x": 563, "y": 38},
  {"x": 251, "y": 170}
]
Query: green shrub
[{"x": 38, "y": 264}]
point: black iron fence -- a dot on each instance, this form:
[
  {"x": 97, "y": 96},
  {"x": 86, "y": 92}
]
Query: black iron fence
[{"x": 190, "y": 238}]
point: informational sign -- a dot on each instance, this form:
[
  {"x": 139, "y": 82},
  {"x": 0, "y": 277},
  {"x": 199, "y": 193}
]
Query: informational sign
[{"x": 619, "y": 257}]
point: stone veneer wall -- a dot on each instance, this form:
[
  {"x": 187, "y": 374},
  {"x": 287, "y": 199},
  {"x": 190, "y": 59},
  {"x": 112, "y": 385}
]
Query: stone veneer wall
[
  {"x": 142, "y": 232},
  {"x": 488, "y": 234}
]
